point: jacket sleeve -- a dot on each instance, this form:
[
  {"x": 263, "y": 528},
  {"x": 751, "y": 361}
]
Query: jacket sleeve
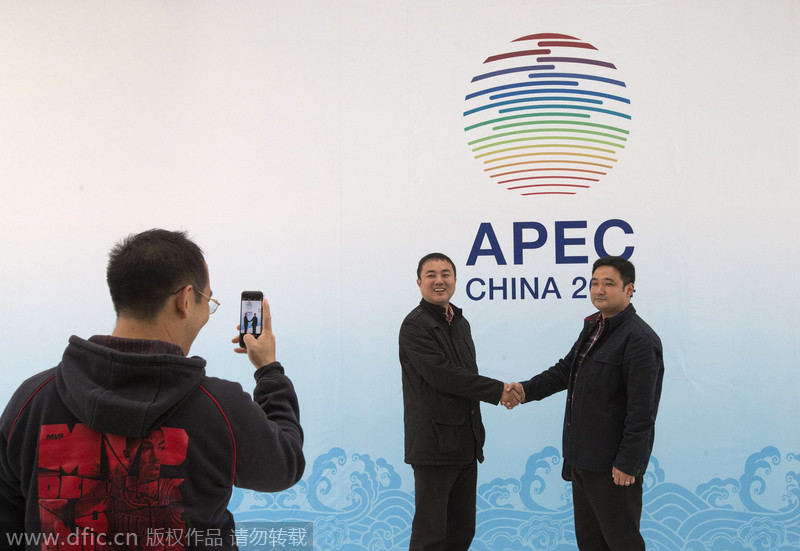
[
  {"x": 552, "y": 380},
  {"x": 420, "y": 352},
  {"x": 12, "y": 459},
  {"x": 12, "y": 503},
  {"x": 642, "y": 370},
  {"x": 547, "y": 383},
  {"x": 268, "y": 435}
]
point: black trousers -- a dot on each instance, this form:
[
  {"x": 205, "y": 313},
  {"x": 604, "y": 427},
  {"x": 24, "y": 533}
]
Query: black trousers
[
  {"x": 607, "y": 516},
  {"x": 444, "y": 497}
]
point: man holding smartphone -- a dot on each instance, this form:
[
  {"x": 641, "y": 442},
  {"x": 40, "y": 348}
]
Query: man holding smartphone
[{"x": 127, "y": 438}]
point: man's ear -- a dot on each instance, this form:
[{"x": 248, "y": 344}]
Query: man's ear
[{"x": 181, "y": 301}]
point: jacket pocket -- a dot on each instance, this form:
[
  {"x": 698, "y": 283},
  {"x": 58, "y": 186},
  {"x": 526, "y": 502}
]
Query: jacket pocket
[
  {"x": 450, "y": 420},
  {"x": 605, "y": 370},
  {"x": 448, "y": 437}
]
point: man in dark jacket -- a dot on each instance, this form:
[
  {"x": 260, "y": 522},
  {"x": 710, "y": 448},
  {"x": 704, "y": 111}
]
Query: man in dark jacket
[
  {"x": 442, "y": 391},
  {"x": 612, "y": 376},
  {"x": 127, "y": 444}
]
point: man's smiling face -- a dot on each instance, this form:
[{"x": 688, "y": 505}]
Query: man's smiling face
[{"x": 437, "y": 282}]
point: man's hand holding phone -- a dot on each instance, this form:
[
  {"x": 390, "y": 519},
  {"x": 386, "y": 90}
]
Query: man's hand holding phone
[{"x": 261, "y": 350}]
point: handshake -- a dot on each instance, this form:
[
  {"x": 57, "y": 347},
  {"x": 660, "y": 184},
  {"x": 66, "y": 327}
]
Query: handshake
[{"x": 512, "y": 396}]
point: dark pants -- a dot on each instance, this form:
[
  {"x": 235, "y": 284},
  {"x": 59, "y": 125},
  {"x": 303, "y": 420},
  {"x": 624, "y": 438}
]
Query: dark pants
[
  {"x": 606, "y": 515},
  {"x": 444, "y": 497}
]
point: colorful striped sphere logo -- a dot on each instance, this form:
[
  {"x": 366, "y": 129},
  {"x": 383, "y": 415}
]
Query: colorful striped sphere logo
[{"x": 549, "y": 117}]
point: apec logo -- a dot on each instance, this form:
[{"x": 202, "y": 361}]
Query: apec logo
[{"x": 549, "y": 117}]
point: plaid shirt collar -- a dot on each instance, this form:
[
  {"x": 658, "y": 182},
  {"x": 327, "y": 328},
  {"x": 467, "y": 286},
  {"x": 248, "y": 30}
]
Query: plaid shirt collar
[
  {"x": 594, "y": 334},
  {"x": 448, "y": 313}
]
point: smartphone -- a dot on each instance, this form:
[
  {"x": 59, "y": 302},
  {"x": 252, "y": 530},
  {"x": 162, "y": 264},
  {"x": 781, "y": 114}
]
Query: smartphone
[{"x": 250, "y": 315}]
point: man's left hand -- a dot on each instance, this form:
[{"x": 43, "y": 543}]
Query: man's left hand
[{"x": 622, "y": 479}]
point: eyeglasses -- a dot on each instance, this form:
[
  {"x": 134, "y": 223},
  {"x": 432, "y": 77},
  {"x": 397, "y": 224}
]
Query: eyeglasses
[{"x": 213, "y": 303}]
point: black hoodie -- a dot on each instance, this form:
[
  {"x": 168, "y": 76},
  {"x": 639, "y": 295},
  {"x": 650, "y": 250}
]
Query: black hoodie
[{"x": 131, "y": 437}]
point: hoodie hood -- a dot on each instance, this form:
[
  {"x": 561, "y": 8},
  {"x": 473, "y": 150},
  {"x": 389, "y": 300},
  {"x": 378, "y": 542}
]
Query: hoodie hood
[{"x": 120, "y": 393}]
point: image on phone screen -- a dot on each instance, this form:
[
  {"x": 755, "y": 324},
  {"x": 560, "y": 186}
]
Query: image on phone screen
[{"x": 251, "y": 316}]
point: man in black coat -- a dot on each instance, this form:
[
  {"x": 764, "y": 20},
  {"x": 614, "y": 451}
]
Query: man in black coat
[
  {"x": 612, "y": 376},
  {"x": 442, "y": 391}
]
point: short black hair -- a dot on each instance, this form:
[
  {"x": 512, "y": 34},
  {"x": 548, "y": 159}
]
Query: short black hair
[
  {"x": 434, "y": 256},
  {"x": 144, "y": 269},
  {"x": 624, "y": 266}
]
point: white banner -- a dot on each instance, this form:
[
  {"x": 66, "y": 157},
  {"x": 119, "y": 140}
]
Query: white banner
[{"x": 316, "y": 150}]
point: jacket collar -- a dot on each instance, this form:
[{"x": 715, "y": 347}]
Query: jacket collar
[
  {"x": 438, "y": 312},
  {"x": 614, "y": 321}
]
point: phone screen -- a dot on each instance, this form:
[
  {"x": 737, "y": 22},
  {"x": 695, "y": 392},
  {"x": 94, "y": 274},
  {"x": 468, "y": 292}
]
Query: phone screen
[{"x": 251, "y": 315}]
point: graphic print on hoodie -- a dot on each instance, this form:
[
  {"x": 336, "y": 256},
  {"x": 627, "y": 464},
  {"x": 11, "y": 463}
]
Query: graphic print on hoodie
[{"x": 112, "y": 488}]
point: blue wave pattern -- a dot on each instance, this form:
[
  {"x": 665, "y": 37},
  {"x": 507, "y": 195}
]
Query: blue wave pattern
[{"x": 356, "y": 504}]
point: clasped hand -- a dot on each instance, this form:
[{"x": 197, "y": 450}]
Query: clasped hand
[{"x": 512, "y": 396}]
